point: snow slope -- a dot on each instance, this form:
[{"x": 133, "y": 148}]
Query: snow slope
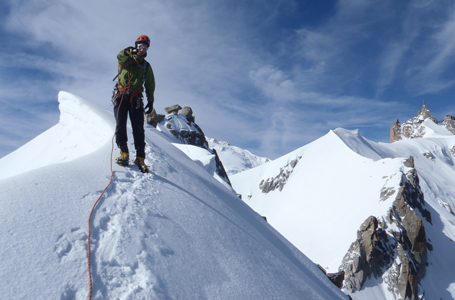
[
  {"x": 205, "y": 159},
  {"x": 175, "y": 233},
  {"x": 336, "y": 185},
  {"x": 316, "y": 210}
]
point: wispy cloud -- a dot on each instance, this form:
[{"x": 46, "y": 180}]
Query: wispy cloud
[{"x": 255, "y": 74}]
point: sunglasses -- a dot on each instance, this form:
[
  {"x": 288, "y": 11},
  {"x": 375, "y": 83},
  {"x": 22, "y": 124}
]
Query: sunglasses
[{"x": 143, "y": 47}]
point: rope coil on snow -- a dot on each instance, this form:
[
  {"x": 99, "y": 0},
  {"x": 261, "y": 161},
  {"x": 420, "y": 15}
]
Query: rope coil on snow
[
  {"x": 90, "y": 227},
  {"x": 99, "y": 198}
]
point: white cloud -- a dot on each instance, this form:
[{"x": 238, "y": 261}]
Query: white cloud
[
  {"x": 438, "y": 57},
  {"x": 211, "y": 56}
]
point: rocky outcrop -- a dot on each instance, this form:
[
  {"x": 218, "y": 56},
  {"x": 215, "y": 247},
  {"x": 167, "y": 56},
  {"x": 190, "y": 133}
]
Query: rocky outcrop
[
  {"x": 185, "y": 130},
  {"x": 188, "y": 113},
  {"x": 413, "y": 128},
  {"x": 174, "y": 109},
  {"x": 449, "y": 123},
  {"x": 393, "y": 246},
  {"x": 424, "y": 114},
  {"x": 395, "y": 132},
  {"x": 335, "y": 278},
  {"x": 153, "y": 118},
  {"x": 280, "y": 180}
]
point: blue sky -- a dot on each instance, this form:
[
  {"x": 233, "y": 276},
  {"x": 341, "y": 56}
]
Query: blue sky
[{"x": 268, "y": 76}]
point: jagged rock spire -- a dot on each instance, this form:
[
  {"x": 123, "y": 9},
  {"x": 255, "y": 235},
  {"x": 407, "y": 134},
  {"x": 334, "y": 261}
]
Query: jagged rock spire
[
  {"x": 424, "y": 114},
  {"x": 413, "y": 128}
]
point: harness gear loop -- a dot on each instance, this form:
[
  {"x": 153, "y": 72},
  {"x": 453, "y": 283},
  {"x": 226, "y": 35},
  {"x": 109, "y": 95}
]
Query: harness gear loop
[{"x": 124, "y": 91}]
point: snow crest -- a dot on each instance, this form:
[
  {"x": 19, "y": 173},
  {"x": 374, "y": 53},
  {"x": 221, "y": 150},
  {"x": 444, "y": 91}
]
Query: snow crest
[
  {"x": 82, "y": 129},
  {"x": 343, "y": 179}
]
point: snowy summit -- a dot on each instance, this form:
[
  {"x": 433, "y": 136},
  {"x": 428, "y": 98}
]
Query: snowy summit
[{"x": 175, "y": 233}]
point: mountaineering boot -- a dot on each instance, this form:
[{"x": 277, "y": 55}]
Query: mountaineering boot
[
  {"x": 123, "y": 159},
  {"x": 139, "y": 161}
]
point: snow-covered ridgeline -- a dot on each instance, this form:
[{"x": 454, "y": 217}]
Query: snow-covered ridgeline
[
  {"x": 341, "y": 180},
  {"x": 176, "y": 233}
]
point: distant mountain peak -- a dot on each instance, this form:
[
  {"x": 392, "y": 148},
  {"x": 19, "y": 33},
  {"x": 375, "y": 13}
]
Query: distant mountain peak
[
  {"x": 416, "y": 128},
  {"x": 235, "y": 159},
  {"x": 424, "y": 113}
]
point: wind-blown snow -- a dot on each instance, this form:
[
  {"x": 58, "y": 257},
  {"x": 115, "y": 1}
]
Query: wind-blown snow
[
  {"x": 337, "y": 184},
  {"x": 82, "y": 129},
  {"x": 175, "y": 233}
]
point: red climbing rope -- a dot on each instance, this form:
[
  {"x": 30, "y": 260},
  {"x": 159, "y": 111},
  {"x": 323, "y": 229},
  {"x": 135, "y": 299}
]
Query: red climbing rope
[
  {"x": 90, "y": 227},
  {"x": 126, "y": 88}
]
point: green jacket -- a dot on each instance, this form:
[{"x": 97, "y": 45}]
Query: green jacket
[{"x": 132, "y": 68}]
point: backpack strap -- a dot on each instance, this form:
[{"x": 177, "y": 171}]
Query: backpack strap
[{"x": 143, "y": 68}]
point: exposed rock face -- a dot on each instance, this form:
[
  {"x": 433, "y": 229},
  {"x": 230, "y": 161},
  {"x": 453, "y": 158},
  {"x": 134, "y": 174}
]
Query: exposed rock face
[
  {"x": 174, "y": 109},
  {"x": 182, "y": 126},
  {"x": 413, "y": 128},
  {"x": 395, "y": 132},
  {"x": 188, "y": 113},
  {"x": 424, "y": 114},
  {"x": 184, "y": 129},
  {"x": 153, "y": 118},
  {"x": 279, "y": 181},
  {"x": 449, "y": 123},
  {"x": 393, "y": 246},
  {"x": 335, "y": 278},
  {"x": 366, "y": 255}
]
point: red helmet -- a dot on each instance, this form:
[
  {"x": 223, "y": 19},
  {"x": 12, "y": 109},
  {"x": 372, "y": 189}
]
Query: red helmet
[{"x": 143, "y": 39}]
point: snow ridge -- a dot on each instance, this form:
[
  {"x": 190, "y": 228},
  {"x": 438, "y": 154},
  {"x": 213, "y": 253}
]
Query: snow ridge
[
  {"x": 341, "y": 180},
  {"x": 82, "y": 129},
  {"x": 175, "y": 233}
]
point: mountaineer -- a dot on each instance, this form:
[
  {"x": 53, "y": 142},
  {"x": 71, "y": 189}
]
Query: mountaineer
[{"x": 134, "y": 73}]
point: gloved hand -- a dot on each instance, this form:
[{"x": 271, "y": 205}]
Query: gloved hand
[
  {"x": 149, "y": 107},
  {"x": 130, "y": 51}
]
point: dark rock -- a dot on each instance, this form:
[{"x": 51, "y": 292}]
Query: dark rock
[
  {"x": 188, "y": 113},
  {"x": 336, "y": 278},
  {"x": 409, "y": 162},
  {"x": 365, "y": 255},
  {"x": 395, "y": 132},
  {"x": 186, "y": 131},
  {"x": 396, "y": 248},
  {"x": 449, "y": 123},
  {"x": 174, "y": 109},
  {"x": 153, "y": 118},
  {"x": 279, "y": 181}
]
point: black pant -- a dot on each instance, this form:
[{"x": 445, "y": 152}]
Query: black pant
[{"x": 125, "y": 105}]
